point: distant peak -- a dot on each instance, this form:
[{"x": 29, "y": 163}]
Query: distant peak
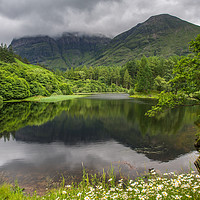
[
  {"x": 162, "y": 18},
  {"x": 165, "y": 15}
]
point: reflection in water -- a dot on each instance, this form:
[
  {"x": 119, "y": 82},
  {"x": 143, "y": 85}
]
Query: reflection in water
[{"x": 52, "y": 138}]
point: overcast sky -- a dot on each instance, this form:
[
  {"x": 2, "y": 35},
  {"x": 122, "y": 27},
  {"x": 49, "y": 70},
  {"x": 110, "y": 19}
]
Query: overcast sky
[{"x": 20, "y": 18}]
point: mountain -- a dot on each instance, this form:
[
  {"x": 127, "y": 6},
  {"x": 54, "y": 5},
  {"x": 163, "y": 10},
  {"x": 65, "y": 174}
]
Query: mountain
[
  {"x": 162, "y": 35},
  {"x": 71, "y": 49}
]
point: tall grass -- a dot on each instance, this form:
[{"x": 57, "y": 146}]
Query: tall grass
[{"x": 152, "y": 186}]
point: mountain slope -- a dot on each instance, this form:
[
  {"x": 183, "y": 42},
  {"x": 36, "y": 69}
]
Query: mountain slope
[
  {"x": 163, "y": 35},
  {"x": 71, "y": 49},
  {"x": 160, "y": 35}
]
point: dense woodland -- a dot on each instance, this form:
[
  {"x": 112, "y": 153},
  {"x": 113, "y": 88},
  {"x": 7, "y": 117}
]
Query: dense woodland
[{"x": 142, "y": 75}]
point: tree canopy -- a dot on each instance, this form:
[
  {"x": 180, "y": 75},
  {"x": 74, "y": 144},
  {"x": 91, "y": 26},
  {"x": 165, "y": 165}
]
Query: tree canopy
[
  {"x": 185, "y": 84},
  {"x": 19, "y": 81}
]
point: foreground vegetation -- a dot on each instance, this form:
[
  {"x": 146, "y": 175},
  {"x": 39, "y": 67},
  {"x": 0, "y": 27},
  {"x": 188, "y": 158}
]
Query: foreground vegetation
[{"x": 152, "y": 186}]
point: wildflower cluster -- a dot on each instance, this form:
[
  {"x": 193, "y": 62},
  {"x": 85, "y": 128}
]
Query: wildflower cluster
[{"x": 153, "y": 186}]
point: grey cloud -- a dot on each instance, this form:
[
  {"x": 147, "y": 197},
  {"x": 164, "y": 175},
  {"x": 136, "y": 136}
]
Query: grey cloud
[
  {"x": 21, "y": 8},
  {"x": 109, "y": 17}
]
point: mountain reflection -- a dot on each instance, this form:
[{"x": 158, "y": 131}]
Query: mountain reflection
[{"x": 90, "y": 120}]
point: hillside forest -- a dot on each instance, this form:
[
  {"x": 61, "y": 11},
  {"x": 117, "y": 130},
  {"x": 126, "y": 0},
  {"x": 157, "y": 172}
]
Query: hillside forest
[{"x": 171, "y": 76}]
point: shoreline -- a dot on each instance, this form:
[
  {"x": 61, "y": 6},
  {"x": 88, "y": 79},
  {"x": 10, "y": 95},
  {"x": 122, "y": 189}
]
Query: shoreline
[
  {"x": 56, "y": 98},
  {"x": 108, "y": 186}
]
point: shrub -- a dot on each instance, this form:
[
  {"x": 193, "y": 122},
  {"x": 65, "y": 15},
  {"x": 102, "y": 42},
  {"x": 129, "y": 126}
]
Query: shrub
[
  {"x": 131, "y": 92},
  {"x": 65, "y": 89}
]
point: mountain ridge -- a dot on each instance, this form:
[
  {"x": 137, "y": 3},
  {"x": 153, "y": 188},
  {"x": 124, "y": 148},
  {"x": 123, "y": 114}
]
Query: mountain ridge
[
  {"x": 52, "y": 51},
  {"x": 162, "y": 35}
]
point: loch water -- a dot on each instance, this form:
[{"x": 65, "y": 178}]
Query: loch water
[{"x": 43, "y": 142}]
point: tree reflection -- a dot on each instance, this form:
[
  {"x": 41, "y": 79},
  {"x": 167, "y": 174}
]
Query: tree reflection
[{"x": 90, "y": 120}]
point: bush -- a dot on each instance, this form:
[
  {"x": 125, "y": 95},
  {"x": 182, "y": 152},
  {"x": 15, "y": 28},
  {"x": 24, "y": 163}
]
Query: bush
[
  {"x": 131, "y": 92},
  {"x": 58, "y": 92},
  {"x": 37, "y": 88},
  {"x": 65, "y": 89}
]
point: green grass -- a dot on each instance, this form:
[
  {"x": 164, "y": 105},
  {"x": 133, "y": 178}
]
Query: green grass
[
  {"x": 54, "y": 98},
  {"x": 152, "y": 186},
  {"x": 152, "y": 95}
]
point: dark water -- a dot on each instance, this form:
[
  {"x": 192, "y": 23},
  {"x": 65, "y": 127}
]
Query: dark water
[{"x": 41, "y": 141}]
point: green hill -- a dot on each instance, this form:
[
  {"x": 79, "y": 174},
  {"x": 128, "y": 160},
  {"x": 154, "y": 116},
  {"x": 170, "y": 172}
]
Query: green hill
[
  {"x": 161, "y": 35},
  {"x": 19, "y": 80}
]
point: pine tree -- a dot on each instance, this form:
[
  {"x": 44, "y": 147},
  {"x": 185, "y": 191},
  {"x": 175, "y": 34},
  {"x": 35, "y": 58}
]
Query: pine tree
[
  {"x": 127, "y": 79},
  {"x": 144, "y": 79}
]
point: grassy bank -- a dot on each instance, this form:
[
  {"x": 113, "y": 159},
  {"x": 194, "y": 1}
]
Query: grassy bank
[
  {"x": 54, "y": 98},
  {"x": 152, "y": 186},
  {"x": 151, "y": 95}
]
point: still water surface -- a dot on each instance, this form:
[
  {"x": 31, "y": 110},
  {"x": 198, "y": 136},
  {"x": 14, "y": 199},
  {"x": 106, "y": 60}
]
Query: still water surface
[{"x": 41, "y": 141}]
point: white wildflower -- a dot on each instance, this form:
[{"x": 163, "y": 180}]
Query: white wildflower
[
  {"x": 164, "y": 194},
  {"x": 158, "y": 196},
  {"x": 129, "y": 189},
  {"x": 160, "y": 187},
  {"x": 79, "y": 194},
  {"x": 68, "y": 186}
]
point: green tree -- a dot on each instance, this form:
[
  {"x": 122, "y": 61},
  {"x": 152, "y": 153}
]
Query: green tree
[
  {"x": 37, "y": 88},
  {"x": 144, "y": 80},
  {"x": 116, "y": 75},
  {"x": 13, "y": 87},
  {"x": 65, "y": 89},
  {"x": 18, "y": 81},
  {"x": 185, "y": 83},
  {"x": 6, "y": 54},
  {"x": 25, "y": 60},
  {"x": 1, "y": 102},
  {"x": 103, "y": 74},
  {"x": 127, "y": 79},
  {"x": 132, "y": 67},
  {"x": 90, "y": 73},
  {"x": 161, "y": 84}
]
